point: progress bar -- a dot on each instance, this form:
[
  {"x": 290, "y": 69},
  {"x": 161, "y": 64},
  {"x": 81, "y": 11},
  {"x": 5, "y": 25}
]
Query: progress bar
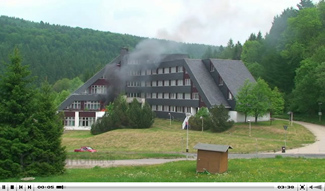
[{"x": 14, "y": 186}]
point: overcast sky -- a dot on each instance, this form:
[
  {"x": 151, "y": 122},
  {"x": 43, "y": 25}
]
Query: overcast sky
[{"x": 211, "y": 22}]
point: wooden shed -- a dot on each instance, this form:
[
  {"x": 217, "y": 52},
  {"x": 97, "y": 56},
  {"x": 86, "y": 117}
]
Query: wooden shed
[{"x": 212, "y": 158}]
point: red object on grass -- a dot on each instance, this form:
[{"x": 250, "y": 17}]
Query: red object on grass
[{"x": 85, "y": 149}]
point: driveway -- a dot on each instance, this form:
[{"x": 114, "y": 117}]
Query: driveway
[{"x": 315, "y": 148}]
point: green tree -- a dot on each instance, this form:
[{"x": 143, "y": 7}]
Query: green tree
[
  {"x": 244, "y": 99},
  {"x": 306, "y": 81},
  {"x": 219, "y": 120},
  {"x": 134, "y": 114},
  {"x": 320, "y": 81},
  {"x": 197, "y": 121},
  {"x": 30, "y": 130},
  {"x": 16, "y": 110},
  {"x": 261, "y": 99},
  {"x": 203, "y": 112},
  {"x": 45, "y": 135},
  {"x": 148, "y": 116},
  {"x": 305, "y": 4},
  {"x": 277, "y": 102}
]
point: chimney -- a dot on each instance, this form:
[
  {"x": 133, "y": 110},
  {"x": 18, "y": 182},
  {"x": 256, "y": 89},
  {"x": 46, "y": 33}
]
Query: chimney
[
  {"x": 124, "y": 51},
  {"x": 123, "y": 55}
]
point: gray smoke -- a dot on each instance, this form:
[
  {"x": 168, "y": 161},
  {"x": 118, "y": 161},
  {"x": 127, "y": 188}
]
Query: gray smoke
[{"x": 147, "y": 54}]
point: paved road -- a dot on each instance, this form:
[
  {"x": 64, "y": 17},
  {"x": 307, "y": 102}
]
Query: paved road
[{"x": 315, "y": 150}]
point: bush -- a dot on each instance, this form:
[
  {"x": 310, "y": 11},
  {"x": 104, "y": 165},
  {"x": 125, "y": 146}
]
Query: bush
[
  {"x": 219, "y": 119},
  {"x": 121, "y": 115}
]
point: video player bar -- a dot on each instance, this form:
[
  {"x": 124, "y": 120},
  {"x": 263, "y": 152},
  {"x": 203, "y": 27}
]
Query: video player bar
[{"x": 314, "y": 186}]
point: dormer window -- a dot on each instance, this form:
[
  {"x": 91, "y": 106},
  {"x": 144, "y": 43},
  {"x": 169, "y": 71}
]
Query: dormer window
[
  {"x": 230, "y": 96},
  {"x": 220, "y": 81},
  {"x": 211, "y": 67}
]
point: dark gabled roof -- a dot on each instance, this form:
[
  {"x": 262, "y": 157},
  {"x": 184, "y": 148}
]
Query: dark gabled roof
[
  {"x": 212, "y": 147},
  {"x": 79, "y": 94},
  {"x": 233, "y": 72},
  {"x": 97, "y": 76},
  {"x": 204, "y": 82}
]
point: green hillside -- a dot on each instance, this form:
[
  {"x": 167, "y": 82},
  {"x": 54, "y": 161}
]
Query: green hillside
[{"x": 55, "y": 52}]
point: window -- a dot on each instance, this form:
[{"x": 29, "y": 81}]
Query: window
[
  {"x": 172, "y": 95},
  {"x": 154, "y": 83},
  {"x": 143, "y": 72},
  {"x": 172, "y": 82},
  {"x": 166, "y": 95},
  {"x": 69, "y": 121},
  {"x": 187, "y": 96},
  {"x": 160, "y": 71},
  {"x": 211, "y": 67},
  {"x": 220, "y": 81},
  {"x": 148, "y": 72},
  {"x": 75, "y": 105},
  {"x": 179, "y": 109},
  {"x": 166, "y": 108},
  {"x": 172, "y": 109},
  {"x": 160, "y": 83},
  {"x": 148, "y": 83},
  {"x": 98, "y": 89},
  {"x": 143, "y": 83},
  {"x": 187, "y": 109},
  {"x": 154, "y": 71},
  {"x": 166, "y": 83},
  {"x": 230, "y": 97},
  {"x": 148, "y": 95},
  {"x": 173, "y": 70},
  {"x": 153, "y": 107},
  {"x": 159, "y": 108},
  {"x": 187, "y": 82},
  {"x": 166, "y": 70},
  {"x": 160, "y": 95},
  {"x": 195, "y": 96},
  {"x": 179, "y": 95},
  {"x": 92, "y": 105},
  {"x": 180, "y": 83},
  {"x": 154, "y": 95},
  {"x": 180, "y": 68},
  {"x": 86, "y": 121}
]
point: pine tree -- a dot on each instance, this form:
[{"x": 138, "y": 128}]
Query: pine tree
[
  {"x": 30, "y": 129},
  {"x": 48, "y": 154},
  {"x": 16, "y": 111}
]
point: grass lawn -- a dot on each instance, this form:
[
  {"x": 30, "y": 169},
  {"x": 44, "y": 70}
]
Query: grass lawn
[
  {"x": 169, "y": 141},
  {"x": 239, "y": 170}
]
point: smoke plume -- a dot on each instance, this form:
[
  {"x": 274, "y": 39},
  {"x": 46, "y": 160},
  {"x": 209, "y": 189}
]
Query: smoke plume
[{"x": 147, "y": 54}]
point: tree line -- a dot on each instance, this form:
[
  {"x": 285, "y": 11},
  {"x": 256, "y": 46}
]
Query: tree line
[
  {"x": 290, "y": 57},
  {"x": 54, "y": 52}
]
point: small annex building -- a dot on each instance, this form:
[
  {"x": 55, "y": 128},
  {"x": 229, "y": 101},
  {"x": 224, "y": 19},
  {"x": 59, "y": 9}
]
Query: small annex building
[{"x": 212, "y": 158}]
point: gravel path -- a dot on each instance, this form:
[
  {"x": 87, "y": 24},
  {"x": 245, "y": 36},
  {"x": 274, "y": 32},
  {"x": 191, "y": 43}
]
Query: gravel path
[{"x": 315, "y": 150}]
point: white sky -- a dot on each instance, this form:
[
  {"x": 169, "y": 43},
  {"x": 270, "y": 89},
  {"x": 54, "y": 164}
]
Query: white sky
[{"x": 211, "y": 22}]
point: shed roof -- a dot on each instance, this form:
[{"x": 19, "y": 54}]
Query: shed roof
[{"x": 212, "y": 147}]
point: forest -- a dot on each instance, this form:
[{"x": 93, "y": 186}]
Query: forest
[
  {"x": 291, "y": 56},
  {"x": 54, "y": 52}
]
